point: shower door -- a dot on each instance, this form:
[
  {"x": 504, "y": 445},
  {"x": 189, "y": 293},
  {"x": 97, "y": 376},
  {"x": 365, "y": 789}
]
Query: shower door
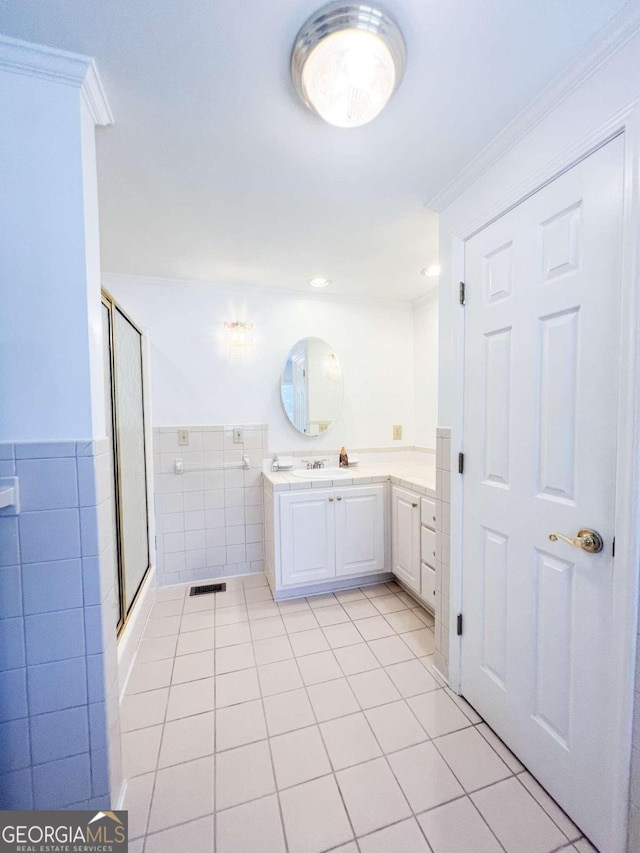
[{"x": 124, "y": 396}]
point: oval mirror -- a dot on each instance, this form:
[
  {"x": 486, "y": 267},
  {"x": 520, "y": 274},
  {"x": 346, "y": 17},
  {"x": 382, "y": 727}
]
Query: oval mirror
[{"x": 311, "y": 386}]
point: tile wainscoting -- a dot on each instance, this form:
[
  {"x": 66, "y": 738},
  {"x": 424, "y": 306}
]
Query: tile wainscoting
[
  {"x": 208, "y": 519},
  {"x": 59, "y": 711}
]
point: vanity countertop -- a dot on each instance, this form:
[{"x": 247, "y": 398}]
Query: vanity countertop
[{"x": 418, "y": 477}]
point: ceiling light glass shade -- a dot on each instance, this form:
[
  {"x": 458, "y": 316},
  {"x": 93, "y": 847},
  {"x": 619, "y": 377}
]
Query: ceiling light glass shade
[
  {"x": 319, "y": 281},
  {"x": 347, "y": 61},
  {"x": 433, "y": 270}
]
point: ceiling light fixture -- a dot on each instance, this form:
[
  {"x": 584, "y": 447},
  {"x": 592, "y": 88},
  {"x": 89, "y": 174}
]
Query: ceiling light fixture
[
  {"x": 347, "y": 61},
  {"x": 433, "y": 270},
  {"x": 318, "y": 281}
]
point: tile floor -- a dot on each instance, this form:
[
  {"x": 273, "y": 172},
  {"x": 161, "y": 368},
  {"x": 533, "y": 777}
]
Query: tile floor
[{"x": 313, "y": 725}]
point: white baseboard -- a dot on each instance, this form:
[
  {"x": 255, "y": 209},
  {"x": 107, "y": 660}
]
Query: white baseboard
[{"x": 130, "y": 638}]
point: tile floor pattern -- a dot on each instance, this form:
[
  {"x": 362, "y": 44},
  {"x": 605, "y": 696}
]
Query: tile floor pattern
[{"x": 314, "y": 725}]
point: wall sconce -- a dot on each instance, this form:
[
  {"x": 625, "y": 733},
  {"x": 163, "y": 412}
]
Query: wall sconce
[
  {"x": 334, "y": 372},
  {"x": 238, "y": 338}
]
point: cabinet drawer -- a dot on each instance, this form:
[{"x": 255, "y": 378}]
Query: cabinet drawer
[
  {"x": 428, "y": 512},
  {"x": 428, "y": 546},
  {"x": 428, "y": 583}
]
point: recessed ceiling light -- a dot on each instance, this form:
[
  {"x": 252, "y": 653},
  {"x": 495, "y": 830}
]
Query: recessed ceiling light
[
  {"x": 347, "y": 61},
  {"x": 318, "y": 281},
  {"x": 434, "y": 269}
]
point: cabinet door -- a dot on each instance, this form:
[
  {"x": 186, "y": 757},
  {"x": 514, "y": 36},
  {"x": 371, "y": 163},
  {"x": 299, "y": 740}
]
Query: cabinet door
[
  {"x": 307, "y": 536},
  {"x": 359, "y": 514},
  {"x": 405, "y": 536}
]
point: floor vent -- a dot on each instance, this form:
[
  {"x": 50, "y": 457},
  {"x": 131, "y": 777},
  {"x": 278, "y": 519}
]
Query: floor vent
[{"x": 207, "y": 588}]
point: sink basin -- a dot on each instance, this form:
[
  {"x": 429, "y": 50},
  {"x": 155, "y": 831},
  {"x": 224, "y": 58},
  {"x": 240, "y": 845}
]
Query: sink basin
[{"x": 321, "y": 473}]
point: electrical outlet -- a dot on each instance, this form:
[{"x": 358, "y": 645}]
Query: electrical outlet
[
  {"x": 183, "y": 437},
  {"x": 238, "y": 435},
  {"x": 397, "y": 432}
]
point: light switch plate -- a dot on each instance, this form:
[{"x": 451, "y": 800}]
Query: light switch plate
[
  {"x": 183, "y": 437},
  {"x": 237, "y": 435},
  {"x": 397, "y": 432}
]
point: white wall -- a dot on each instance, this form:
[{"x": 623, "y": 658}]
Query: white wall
[
  {"x": 425, "y": 348},
  {"x": 603, "y": 94},
  {"x": 193, "y": 381},
  {"x": 49, "y": 259}
]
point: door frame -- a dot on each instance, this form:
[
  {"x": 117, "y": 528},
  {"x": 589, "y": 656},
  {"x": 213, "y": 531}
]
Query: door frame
[{"x": 626, "y": 122}]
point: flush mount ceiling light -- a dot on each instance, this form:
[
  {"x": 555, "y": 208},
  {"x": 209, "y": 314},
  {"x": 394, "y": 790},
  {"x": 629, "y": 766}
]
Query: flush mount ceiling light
[
  {"x": 433, "y": 270},
  {"x": 347, "y": 61},
  {"x": 318, "y": 281}
]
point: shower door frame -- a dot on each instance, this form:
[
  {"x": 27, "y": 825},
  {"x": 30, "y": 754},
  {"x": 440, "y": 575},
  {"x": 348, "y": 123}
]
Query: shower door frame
[{"x": 123, "y": 614}]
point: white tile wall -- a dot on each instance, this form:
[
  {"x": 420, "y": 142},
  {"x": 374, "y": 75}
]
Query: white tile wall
[
  {"x": 59, "y": 720},
  {"x": 443, "y": 548},
  {"x": 208, "y": 519}
]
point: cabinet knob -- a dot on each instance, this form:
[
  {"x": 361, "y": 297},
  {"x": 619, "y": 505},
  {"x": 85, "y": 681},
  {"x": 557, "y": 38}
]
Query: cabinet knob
[
  {"x": 414, "y": 505},
  {"x": 330, "y": 500},
  {"x": 338, "y": 499}
]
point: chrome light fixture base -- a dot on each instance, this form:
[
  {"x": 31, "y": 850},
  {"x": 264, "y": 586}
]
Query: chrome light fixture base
[{"x": 383, "y": 66}]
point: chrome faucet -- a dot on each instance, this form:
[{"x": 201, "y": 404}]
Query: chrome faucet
[{"x": 317, "y": 463}]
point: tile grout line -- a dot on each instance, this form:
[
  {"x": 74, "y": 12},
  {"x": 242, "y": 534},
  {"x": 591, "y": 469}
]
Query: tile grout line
[
  {"x": 164, "y": 722},
  {"x": 379, "y": 745},
  {"x": 363, "y": 712},
  {"x": 327, "y": 753},
  {"x": 30, "y": 716},
  {"x": 288, "y": 634}
]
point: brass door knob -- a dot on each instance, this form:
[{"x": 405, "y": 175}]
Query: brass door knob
[{"x": 588, "y": 540}]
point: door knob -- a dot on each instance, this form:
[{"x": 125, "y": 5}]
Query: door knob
[{"x": 588, "y": 540}]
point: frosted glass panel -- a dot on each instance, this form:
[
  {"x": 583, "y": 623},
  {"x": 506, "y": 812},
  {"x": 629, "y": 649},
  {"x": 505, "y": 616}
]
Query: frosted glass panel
[
  {"x": 130, "y": 452},
  {"x": 108, "y": 410}
]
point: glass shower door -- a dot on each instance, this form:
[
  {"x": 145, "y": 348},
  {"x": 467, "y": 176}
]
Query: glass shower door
[{"x": 128, "y": 444}]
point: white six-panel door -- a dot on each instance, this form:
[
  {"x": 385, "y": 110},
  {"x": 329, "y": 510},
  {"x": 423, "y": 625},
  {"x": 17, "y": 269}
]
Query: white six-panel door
[{"x": 542, "y": 321}]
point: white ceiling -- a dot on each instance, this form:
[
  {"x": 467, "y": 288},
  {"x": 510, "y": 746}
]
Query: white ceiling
[{"x": 215, "y": 171}]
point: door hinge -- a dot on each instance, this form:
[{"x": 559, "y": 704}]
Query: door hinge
[
  {"x": 460, "y": 463},
  {"x": 613, "y": 547},
  {"x": 462, "y": 293},
  {"x": 459, "y": 625}
]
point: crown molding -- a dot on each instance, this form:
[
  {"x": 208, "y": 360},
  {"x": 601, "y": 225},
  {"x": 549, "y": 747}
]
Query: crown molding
[
  {"x": 611, "y": 39},
  {"x": 60, "y": 66},
  {"x": 95, "y": 97},
  {"x": 265, "y": 292}
]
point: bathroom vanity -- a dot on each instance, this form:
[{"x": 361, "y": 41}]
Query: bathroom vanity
[
  {"x": 339, "y": 528},
  {"x": 334, "y": 528}
]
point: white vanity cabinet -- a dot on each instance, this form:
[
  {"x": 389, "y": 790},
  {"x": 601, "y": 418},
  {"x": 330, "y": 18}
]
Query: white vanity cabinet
[
  {"x": 428, "y": 549},
  {"x": 331, "y": 533},
  {"x": 405, "y": 537}
]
